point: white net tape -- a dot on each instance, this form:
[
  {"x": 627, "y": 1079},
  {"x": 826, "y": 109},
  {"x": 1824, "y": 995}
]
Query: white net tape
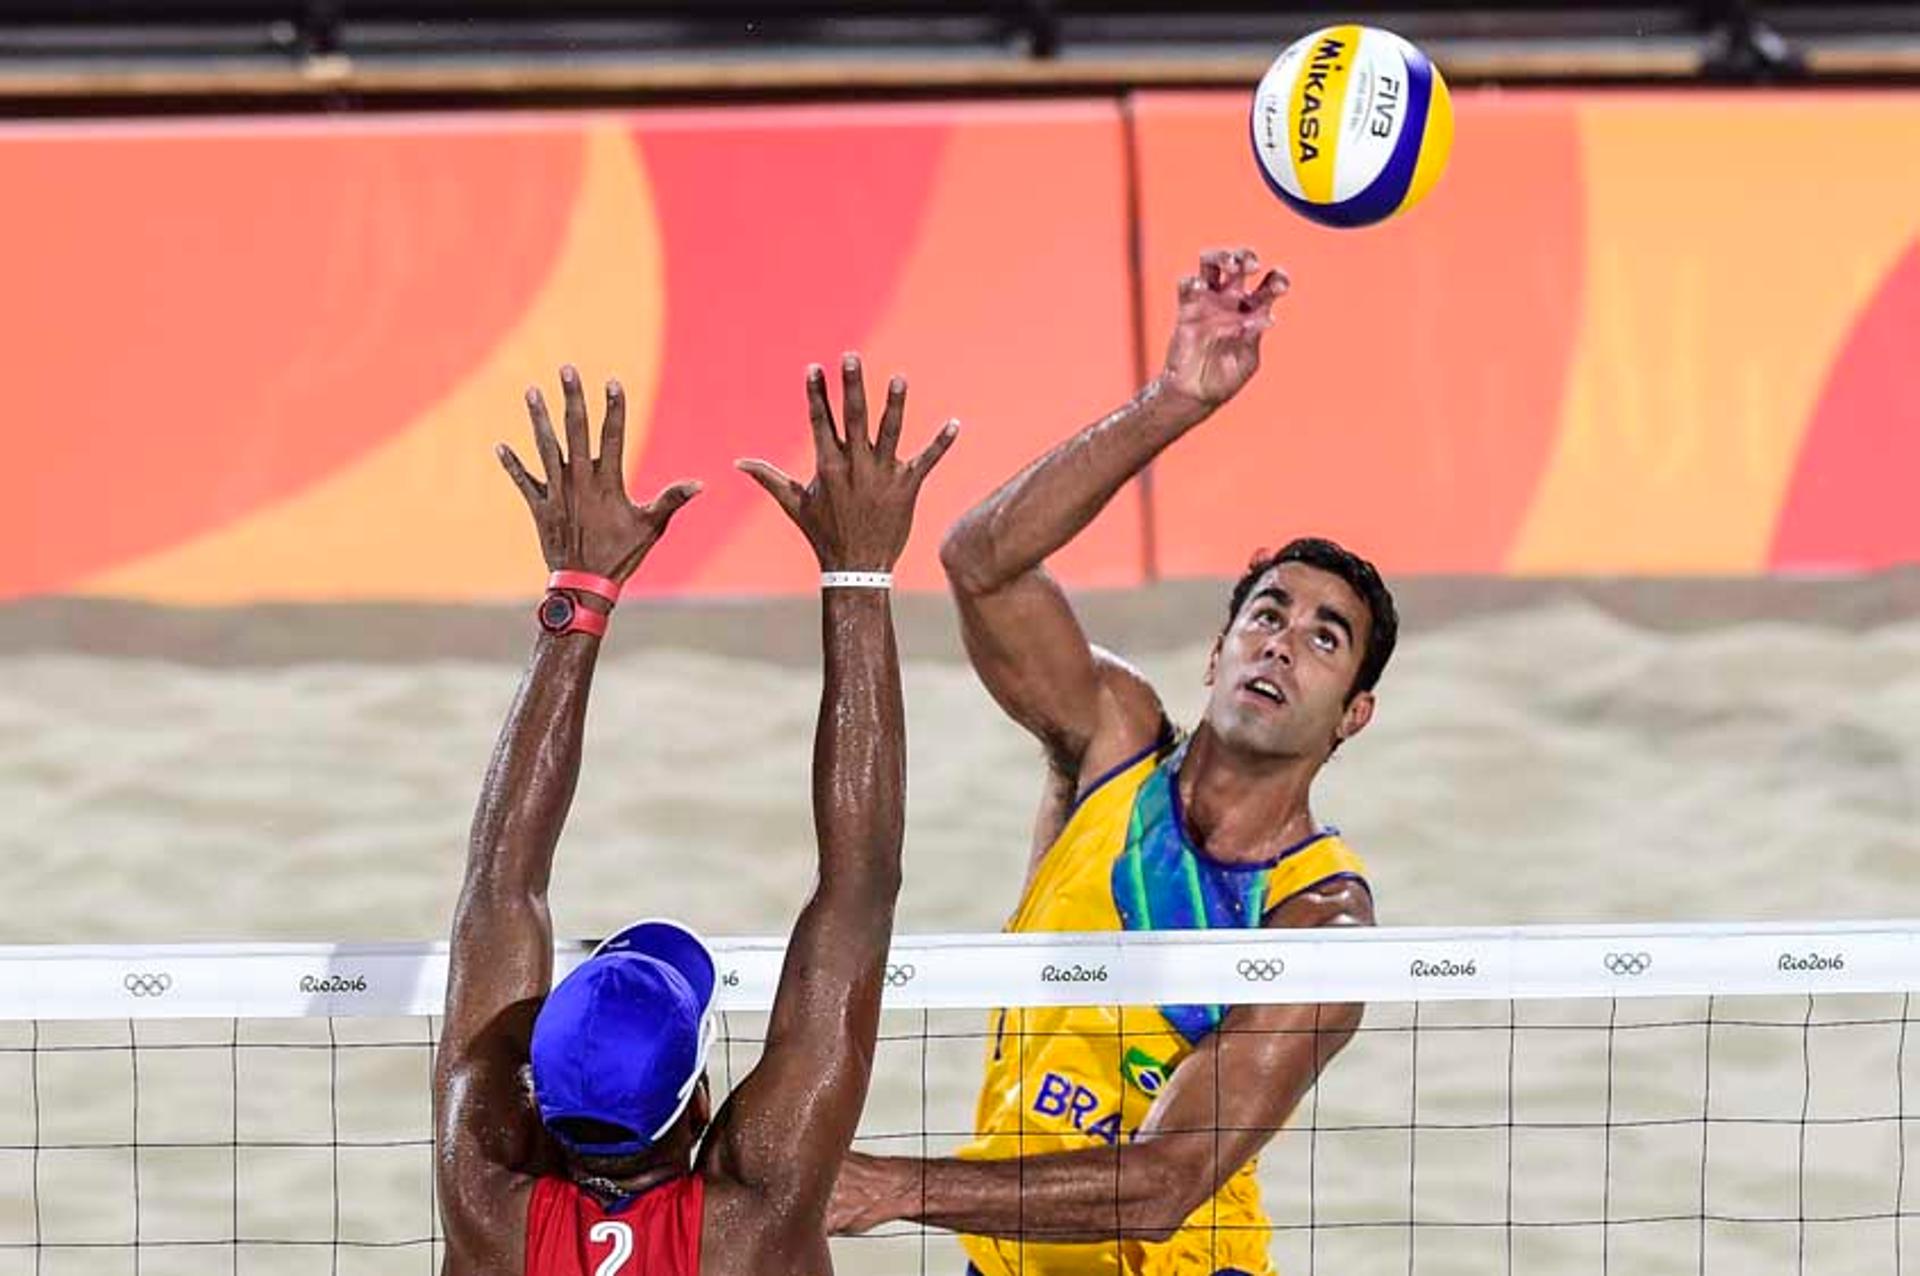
[
  {"x": 1711, "y": 1099},
  {"x": 977, "y": 972}
]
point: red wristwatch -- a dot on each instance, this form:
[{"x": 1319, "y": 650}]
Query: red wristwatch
[{"x": 559, "y": 613}]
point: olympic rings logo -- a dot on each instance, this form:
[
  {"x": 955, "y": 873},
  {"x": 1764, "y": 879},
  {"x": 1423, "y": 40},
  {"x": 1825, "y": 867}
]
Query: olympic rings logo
[
  {"x": 147, "y": 983},
  {"x": 1629, "y": 963},
  {"x": 898, "y": 976},
  {"x": 1261, "y": 969}
]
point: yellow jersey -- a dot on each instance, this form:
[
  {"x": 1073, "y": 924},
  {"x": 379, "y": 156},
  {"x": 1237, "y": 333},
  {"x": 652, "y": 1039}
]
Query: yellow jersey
[{"x": 1061, "y": 1078}]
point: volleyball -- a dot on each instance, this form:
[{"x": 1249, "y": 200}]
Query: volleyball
[{"x": 1351, "y": 125}]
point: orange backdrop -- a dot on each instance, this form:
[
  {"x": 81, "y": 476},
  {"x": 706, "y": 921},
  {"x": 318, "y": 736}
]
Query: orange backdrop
[{"x": 1629, "y": 333}]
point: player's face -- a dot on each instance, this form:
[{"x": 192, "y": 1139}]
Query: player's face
[{"x": 1281, "y": 673}]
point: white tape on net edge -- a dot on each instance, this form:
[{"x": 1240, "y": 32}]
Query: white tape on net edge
[{"x": 270, "y": 981}]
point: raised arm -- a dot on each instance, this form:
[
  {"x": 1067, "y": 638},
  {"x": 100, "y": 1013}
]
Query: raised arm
[
  {"x": 502, "y": 952},
  {"x": 785, "y": 1128},
  {"x": 1220, "y": 1107},
  {"x": 1087, "y": 708}
]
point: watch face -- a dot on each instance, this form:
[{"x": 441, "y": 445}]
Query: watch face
[{"x": 556, "y": 613}]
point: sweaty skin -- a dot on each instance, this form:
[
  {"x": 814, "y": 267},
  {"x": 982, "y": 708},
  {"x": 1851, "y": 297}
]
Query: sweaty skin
[
  {"x": 769, "y": 1155},
  {"x": 1244, "y": 786}
]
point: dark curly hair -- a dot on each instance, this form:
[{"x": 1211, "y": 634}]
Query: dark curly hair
[{"x": 1384, "y": 629}]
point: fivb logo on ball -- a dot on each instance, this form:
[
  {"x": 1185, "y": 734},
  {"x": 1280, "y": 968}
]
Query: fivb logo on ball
[{"x": 1351, "y": 125}]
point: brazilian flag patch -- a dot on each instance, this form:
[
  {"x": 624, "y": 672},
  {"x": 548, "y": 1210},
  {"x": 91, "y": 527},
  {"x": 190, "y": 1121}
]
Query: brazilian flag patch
[{"x": 1143, "y": 1072}]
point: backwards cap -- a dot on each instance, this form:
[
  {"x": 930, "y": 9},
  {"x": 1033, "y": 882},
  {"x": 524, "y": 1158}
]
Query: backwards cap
[{"x": 623, "y": 1040}]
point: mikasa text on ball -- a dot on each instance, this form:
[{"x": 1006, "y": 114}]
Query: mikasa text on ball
[{"x": 1351, "y": 125}]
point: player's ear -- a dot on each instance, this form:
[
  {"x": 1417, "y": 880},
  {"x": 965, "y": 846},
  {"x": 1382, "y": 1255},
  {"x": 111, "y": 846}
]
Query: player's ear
[{"x": 1359, "y": 713}]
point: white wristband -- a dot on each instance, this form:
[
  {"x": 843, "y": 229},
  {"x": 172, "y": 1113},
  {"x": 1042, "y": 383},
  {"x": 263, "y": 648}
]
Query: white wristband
[{"x": 856, "y": 580}]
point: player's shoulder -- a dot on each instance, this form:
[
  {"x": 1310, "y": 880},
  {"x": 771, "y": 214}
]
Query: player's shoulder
[
  {"x": 1338, "y": 899},
  {"x": 1128, "y": 690},
  {"x": 1132, "y": 724}
]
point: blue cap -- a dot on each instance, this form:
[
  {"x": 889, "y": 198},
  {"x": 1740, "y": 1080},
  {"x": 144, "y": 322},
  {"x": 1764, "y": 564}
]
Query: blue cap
[{"x": 623, "y": 1040}]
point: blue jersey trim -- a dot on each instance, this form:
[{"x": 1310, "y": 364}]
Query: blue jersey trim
[
  {"x": 1231, "y": 866},
  {"x": 1179, "y": 812},
  {"x": 631, "y": 1199},
  {"x": 1114, "y": 773}
]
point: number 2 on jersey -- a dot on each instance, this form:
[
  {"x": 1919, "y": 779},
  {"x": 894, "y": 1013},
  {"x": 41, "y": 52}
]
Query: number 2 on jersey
[{"x": 621, "y": 1234}]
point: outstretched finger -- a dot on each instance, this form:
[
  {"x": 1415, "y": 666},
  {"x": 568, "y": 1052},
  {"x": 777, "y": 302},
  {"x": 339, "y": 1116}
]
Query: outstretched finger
[
  {"x": 579, "y": 451},
  {"x": 1272, "y": 288},
  {"x": 671, "y": 498},
  {"x": 778, "y": 483},
  {"x": 1192, "y": 288},
  {"x": 543, "y": 438},
  {"x": 1213, "y": 267},
  {"x": 1241, "y": 262},
  {"x": 923, "y": 464},
  {"x": 891, "y": 417},
  {"x": 820, "y": 413},
  {"x": 529, "y": 486},
  {"x": 853, "y": 403},
  {"x": 613, "y": 430}
]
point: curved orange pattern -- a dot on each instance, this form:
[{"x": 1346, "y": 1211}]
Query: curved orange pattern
[
  {"x": 423, "y": 513},
  {"x": 205, "y": 322},
  {"x": 1723, "y": 282},
  {"x": 1851, "y": 502},
  {"x": 1410, "y": 389},
  {"x": 971, "y": 323},
  {"x": 268, "y": 360}
]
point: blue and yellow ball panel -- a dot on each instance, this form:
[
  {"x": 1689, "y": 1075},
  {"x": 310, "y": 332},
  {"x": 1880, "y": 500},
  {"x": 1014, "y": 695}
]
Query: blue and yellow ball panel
[{"x": 1351, "y": 125}]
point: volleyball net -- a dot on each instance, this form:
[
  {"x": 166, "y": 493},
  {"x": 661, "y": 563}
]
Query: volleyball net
[{"x": 1712, "y": 1099}]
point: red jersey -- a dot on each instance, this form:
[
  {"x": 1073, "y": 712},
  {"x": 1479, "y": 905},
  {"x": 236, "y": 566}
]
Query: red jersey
[{"x": 569, "y": 1232}]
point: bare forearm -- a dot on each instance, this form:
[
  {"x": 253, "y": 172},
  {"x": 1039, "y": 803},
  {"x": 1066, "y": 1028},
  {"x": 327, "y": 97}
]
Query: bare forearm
[
  {"x": 798, "y": 1110},
  {"x": 1189, "y": 1144},
  {"x": 530, "y": 782},
  {"x": 1088, "y": 1195},
  {"x": 1052, "y": 500},
  {"x": 859, "y": 787}
]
